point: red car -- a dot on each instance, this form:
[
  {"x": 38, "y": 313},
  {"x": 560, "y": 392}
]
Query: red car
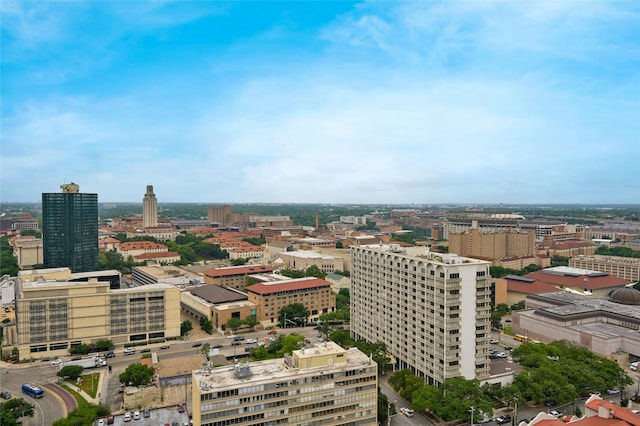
[
  {"x": 181, "y": 408},
  {"x": 273, "y": 332}
]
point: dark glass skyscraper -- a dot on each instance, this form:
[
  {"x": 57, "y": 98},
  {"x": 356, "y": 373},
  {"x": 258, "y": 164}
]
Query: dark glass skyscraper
[{"x": 70, "y": 229}]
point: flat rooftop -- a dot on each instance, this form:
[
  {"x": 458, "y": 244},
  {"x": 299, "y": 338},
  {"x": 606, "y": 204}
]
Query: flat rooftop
[{"x": 269, "y": 370}]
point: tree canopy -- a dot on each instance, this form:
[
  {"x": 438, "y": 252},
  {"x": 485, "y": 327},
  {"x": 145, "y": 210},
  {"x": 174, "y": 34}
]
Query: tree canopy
[
  {"x": 137, "y": 374},
  {"x": 13, "y": 409},
  {"x": 85, "y": 414},
  {"x": 296, "y": 312}
]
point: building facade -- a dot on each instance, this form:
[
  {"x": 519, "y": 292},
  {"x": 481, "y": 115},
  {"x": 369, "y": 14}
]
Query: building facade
[
  {"x": 494, "y": 245},
  {"x": 234, "y": 276},
  {"x": 315, "y": 294},
  {"x": 219, "y": 214},
  {"x": 622, "y": 267},
  {"x": 430, "y": 309},
  {"x": 320, "y": 385},
  {"x": 53, "y": 316},
  {"x": 303, "y": 259},
  {"x": 70, "y": 229},
  {"x": 149, "y": 208}
]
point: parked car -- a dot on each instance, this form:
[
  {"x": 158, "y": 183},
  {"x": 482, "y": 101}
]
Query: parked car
[
  {"x": 110, "y": 420},
  {"x": 5, "y": 395},
  {"x": 101, "y": 422},
  {"x": 136, "y": 415},
  {"x": 238, "y": 338},
  {"x": 251, "y": 341},
  {"x": 503, "y": 419},
  {"x": 236, "y": 343},
  {"x": 130, "y": 351},
  {"x": 196, "y": 344},
  {"x": 493, "y": 341},
  {"x": 634, "y": 366},
  {"x": 596, "y": 393},
  {"x": 146, "y": 413},
  {"x": 231, "y": 337},
  {"x": 613, "y": 391},
  {"x": 181, "y": 408},
  {"x": 127, "y": 417},
  {"x": 273, "y": 332},
  {"x": 56, "y": 362},
  {"x": 555, "y": 414}
]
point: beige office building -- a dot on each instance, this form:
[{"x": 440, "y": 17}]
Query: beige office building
[
  {"x": 430, "y": 309},
  {"x": 53, "y": 316},
  {"x": 320, "y": 385},
  {"x": 303, "y": 259},
  {"x": 149, "y": 208},
  {"x": 493, "y": 245},
  {"x": 622, "y": 267},
  {"x": 28, "y": 252},
  {"x": 219, "y": 214}
]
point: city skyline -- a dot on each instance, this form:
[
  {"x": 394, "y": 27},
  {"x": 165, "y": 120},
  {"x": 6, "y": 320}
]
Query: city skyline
[{"x": 322, "y": 102}]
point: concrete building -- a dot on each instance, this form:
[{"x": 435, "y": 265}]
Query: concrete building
[
  {"x": 607, "y": 327},
  {"x": 315, "y": 294},
  {"x": 53, "y": 316},
  {"x": 303, "y": 259},
  {"x": 486, "y": 222},
  {"x": 234, "y": 276},
  {"x": 218, "y": 305},
  {"x": 430, "y": 309},
  {"x": 166, "y": 274},
  {"x": 70, "y": 229},
  {"x": 111, "y": 276},
  {"x": 136, "y": 248},
  {"x": 160, "y": 233},
  {"x": 28, "y": 250},
  {"x": 493, "y": 245},
  {"x": 627, "y": 268},
  {"x": 219, "y": 214},
  {"x": 149, "y": 208},
  {"x": 320, "y": 385}
]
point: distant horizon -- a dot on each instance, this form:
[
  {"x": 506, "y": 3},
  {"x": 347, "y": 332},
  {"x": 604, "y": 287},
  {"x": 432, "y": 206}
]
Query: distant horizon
[
  {"x": 366, "y": 102},
  {"x": 459, "y": 204}
]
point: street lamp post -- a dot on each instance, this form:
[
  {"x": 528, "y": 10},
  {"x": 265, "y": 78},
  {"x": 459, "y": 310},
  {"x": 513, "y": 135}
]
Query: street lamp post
[
  {"x": 515, "y": 415},
  {"x": 389, "y": 411},
  {"x": 472, "y": 410}
]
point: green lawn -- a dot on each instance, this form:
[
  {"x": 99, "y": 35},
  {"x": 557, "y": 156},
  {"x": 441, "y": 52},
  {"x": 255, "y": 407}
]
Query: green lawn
[{"x": 90, "y": 386}]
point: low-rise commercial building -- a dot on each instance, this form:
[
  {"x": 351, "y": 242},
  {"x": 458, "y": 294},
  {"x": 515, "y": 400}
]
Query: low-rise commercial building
[
  {"x": 321, "y": 385},
  {"x": 234, "y": 276},
  {"x": 303, "y": 259},
  {"x": 315, "y": 294},
  {"x": 627, "y": 268}
]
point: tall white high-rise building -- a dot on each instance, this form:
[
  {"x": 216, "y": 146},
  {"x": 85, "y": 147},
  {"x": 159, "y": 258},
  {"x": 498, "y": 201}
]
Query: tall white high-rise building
[
  {"x": 430, "y": 309},
  {"x": 149, "y": 208}
]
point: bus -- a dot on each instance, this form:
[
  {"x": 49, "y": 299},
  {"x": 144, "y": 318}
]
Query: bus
[
  {"x": 521, "y": 338},
  {"x": 32, "y": 391}
]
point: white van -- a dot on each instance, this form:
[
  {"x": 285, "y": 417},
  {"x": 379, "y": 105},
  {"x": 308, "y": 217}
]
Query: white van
[{"x": 634, "y": 366}]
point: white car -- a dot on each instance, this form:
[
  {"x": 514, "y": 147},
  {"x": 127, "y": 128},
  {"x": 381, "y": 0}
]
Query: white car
[
  {"x": 407, "y": 411},
  {"x": 56, "y": 362},
  {"x": 101, "y": 422},
  {"x": 127, "y": 417},
  {"x": 493, "y": 341},
  {"x": 231, "y": 337},
  {"x": 251, "y": 340},
  {"x": 136, "y": 415},
  {"x": 613, "y": 391},
  {"x": 555, "y": 414}
]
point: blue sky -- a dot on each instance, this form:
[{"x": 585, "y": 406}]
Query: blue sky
[{"x": 314, "y": 102}]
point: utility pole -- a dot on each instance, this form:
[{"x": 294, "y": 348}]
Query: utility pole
[
  {"x": 515, "y": 415},
  {"x": 389, "y": 412},
  {"x": 472, "y": 410}
]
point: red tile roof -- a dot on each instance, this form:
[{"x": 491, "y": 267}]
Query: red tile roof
[
  {"x": 138, "y": 245},
  {"x": 289, "y": 285},
  {"x": 581, "y": 281},
  {"x": 617, "y": 412},
  {"x": 156, "y": 255}
]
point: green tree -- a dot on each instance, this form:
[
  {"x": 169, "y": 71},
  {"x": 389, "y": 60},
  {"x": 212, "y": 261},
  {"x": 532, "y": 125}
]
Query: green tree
[
  {"x": 290, "y": 343},
  {"x": 206, "y": 325},
  {"x": 185, "y": 327},
  {"x": 295, "y": 312},
  {"x": 71, "y": 371},
  {"x": 292, "y": 273},
  {"x": 343, "y": 338},
  {"x": 85, "y": 414},
  {"x": 8, "y": 262},
  {"x": 205, "y": 350},
  {"x": 233, "y": 324},
  {"x": 378, "y": 352},
  {"x": 251, "y": 321},
  {"x": 314, "y": 271},
  {"x": 453, "y": 399},
  {"x": 559, "y": 260},
  {"x": 137, "y": 374},
  {"x": 339, "y": 244},
  {"x": 238, "y": 261},
  {"x": 103, "y": 345},
  {"x": 14, "y": 409},
  {"x": 255, "y": 241}
]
